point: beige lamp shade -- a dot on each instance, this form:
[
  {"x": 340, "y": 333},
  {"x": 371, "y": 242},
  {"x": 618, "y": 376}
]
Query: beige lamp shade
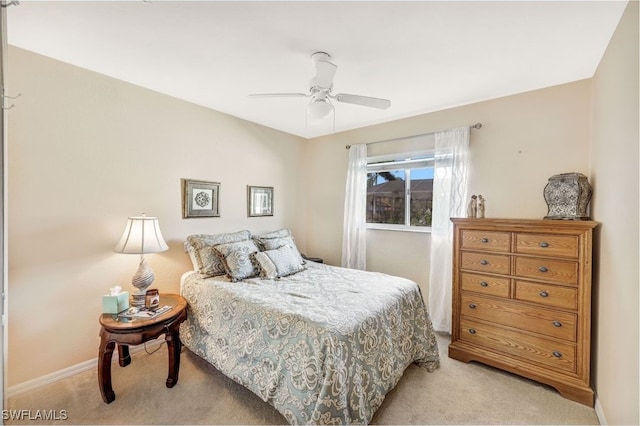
[{"x": 141, "y": 235}]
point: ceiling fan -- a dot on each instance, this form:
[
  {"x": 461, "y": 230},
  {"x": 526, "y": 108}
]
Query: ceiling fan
[{"x": 320, "y": 90}]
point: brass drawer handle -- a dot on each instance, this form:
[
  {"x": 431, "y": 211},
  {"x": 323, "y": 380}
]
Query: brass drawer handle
[
  {"x": 484, "y": 240},
  {"x": 544, "y": 294},
  {"x": 484, "y": 284},
  {"x": 544, "y": 244},
  {"x": 472, "y": 331},
  {"x": 472, "y": 305},
  {"x": 484, "y": 262},
  {"x": 543, "y": 269},
  {"x": 557, "y": 324},
  {"x": 557, "y": 354}
]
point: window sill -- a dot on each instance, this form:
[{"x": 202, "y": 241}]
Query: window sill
[{"x": 400, "y": 228}]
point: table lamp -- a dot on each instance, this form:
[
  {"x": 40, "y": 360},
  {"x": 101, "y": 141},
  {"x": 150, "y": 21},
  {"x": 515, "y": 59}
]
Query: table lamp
[{"x": 141, "y": 235}]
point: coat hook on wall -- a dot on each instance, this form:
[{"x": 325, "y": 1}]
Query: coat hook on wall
[
  {"x": 11, "y": 3},
  {"x": 3, "y": 106}
]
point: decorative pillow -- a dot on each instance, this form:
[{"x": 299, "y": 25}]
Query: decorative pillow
[
  {"x": 275, "y": 234},
  {"x": 236, "y": 259},
  {"x": 275, "y": 243},
  {"x": 264, "y": 264},
  {"x": 277, "y": 263},
  {"x": 201, "y": 251}
]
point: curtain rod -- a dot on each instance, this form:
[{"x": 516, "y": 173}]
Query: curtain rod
[{"x": 473, "y": 126}]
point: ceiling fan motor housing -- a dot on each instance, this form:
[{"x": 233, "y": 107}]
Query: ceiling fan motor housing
[
  {"x": 319, "y": 93},
  {"x": 320, "y": 57}
]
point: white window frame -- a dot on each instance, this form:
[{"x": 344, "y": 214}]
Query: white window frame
[{"x": 398, "y": 161}]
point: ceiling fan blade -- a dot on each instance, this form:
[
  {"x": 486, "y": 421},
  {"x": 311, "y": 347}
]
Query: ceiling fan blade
[
  {"x": 279, "y": 95},
  {"x": 363, "y": 100},
  {"x": 325, "y": 71}
]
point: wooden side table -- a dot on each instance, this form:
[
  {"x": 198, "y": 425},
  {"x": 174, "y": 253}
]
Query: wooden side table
[{"x": 135, "y": 331}]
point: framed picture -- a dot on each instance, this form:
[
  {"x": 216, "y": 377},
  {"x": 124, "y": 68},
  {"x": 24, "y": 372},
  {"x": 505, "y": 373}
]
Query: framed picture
[
  {"x": 200, "y": 199},
  {"x": 259, "y": 201}
]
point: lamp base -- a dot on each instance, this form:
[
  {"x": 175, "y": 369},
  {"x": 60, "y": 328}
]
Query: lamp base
[
  {"x": 143, "y": 276},
  {"x": 142, "y": 279},
  {"x": 138, "y": 300}
]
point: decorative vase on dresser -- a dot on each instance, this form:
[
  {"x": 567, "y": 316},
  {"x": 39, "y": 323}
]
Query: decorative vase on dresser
[{"x": 522, "y": 299}]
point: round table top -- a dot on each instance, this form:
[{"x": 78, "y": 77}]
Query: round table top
[{"x": 120, "y": 322}]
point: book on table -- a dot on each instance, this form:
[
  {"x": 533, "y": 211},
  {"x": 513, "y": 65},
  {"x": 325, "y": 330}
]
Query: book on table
[{"x": 145, "y": 313}]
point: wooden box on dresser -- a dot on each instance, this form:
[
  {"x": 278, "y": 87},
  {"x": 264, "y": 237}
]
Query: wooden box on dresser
[{"x": 522, "y": 299}]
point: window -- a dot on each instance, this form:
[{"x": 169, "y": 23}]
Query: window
[{"x": 400, "y": 192}]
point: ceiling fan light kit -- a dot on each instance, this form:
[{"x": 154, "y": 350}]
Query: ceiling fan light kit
[
  {"x": 319, "y": 109},
  {"x": 320, "y": 106}
]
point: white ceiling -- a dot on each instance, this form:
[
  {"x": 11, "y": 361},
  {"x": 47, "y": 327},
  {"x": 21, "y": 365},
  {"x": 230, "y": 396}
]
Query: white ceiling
[{"x": 423, "y": 55}]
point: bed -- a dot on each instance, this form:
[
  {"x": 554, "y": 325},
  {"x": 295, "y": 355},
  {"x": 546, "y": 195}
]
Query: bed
[{"x": 323, "y": 344}]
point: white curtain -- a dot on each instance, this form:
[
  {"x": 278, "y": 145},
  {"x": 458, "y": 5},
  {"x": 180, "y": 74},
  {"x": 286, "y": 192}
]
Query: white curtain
[
  {"x": 354, "y": 237},
  {"x": 449, "y": 200}
]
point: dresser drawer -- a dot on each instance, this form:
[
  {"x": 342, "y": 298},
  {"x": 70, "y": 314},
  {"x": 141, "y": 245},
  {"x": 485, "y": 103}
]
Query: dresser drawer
[
  {"x": 485, "y": 284},
  {"x": 547, "y": 294},
  {"x": 482, "y": 262},
  {"x": 547, "y": 245},
  {"x": 557, "y": 271},
  {"x": 486, "y": 240},
  {"x": 557, "y": 324},
  {"x": 561, "y": 356}
]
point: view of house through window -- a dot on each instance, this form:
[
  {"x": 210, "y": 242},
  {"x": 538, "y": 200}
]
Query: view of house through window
[{"x": 400, "y": 192}]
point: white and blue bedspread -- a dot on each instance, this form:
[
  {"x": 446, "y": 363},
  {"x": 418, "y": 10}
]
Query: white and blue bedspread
[{"x": 323, "y": 346}]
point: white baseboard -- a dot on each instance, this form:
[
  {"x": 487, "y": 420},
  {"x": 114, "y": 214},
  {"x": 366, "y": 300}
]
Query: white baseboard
[
  {"x": 601, "y": 419},
  {"x": 38, "y": 382}
]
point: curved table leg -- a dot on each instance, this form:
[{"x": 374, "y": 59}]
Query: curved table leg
[
  {"x": 104, "y": 368},
  {"x": 174, "y": 346},
  {"x": 124, "y": 358}
]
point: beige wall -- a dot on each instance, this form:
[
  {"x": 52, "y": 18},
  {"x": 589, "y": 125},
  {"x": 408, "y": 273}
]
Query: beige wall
[
  {"x": 524, "y": 140},
  {"x": 80, "y": 163},
  {"x": 614, "y": 175},
  {"x": 86, "y": 152}
]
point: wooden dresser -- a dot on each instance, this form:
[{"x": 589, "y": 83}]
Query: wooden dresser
[{"x": 522, "y": 299}]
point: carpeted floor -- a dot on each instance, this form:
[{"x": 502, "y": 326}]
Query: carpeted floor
[{"x": 456, "y": 393}]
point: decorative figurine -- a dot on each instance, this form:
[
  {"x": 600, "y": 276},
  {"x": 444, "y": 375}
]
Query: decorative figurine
[
  {"x": 473, "y": 207},
  {"x": 480, "y": 214}
]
